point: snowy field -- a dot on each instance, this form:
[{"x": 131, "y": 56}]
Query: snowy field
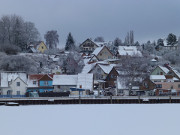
[{"x": 91, "y": 120}]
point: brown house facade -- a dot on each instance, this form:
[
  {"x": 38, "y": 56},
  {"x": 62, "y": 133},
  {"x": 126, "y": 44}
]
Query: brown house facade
[
  {"x": 103, "y": 53},
  {"x": 147, "y": 84},
  {"x": 111, "y": 78},
  {"x": 88, "y": 46}
]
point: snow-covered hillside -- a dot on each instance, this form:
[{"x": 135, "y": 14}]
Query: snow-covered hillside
[{"x": 90, "y": 120}]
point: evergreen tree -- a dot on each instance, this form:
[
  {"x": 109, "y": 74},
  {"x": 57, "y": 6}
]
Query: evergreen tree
[
  {"x": 137, "y": 43},
  {"x": 171, "y": 39},
  {"x": 70, "y": 44},
  {"x": 160, "y": 42}
]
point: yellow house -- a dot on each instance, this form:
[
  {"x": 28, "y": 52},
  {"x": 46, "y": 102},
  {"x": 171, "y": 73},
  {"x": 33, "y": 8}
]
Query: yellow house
[
  {"x": 41, "y": 47},
  {"x": 37, "y": 47}
]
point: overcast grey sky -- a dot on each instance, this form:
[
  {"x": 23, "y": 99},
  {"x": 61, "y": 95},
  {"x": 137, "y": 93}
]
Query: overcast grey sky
[{"x": 150, "y": 19}]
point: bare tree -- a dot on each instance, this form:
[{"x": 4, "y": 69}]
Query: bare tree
[
  {"x": 15, "y": 31},
  {"x": 99, "y": 39},
  {"x": 129, "y": 39},
  {"x": 117, "y": 42},
  {"x": 31, "y": 32},
  {"x": 73, "y": 63},
  {"x": 52, "y": 39},
  {"x": 133, "y": 70}
]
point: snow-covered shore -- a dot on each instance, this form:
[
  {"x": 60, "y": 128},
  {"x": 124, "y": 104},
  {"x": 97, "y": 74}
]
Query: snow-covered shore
[{"x": 156, "y": 119}]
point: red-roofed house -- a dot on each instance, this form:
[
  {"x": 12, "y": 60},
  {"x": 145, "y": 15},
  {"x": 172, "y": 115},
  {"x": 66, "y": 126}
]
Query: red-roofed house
[{"x": 40, "y": 83}]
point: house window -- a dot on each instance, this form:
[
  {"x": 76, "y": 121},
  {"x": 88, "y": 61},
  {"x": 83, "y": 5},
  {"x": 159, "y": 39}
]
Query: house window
[
  {"x": 178, "y": 85},
  {"x": 9, "y": 92},
  {"x": 45, "y": 82},
  {"x": 42, "y": 47},
  {"x": 18, "y": 93},
  {"x": 112, "y": 76},
  {"x": 18, "y": 84},
  {"x": 34, "y": 82},
  {"x": 161, "y": 73},
  {"x": 158, "y": 85}
]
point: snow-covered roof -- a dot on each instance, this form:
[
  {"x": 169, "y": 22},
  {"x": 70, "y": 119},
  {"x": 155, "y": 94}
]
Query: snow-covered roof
[
  {"x": 157, "y": 77},
  {"x": 85, "y": 81},
  {"x": 7, "y": 77},
  {"x": 33, "y": 49},
  {"x": 99, "y": 43},
  {"x": 153, "y": 60},
  {"x": 102, "y": 62},
  {"x": 166, "y": 70},
  {"x": 87, "y": 68},
  {"x": 65, "y": 79},
  {"x": 86, "y": 60},
  {"x": 129, "y": 50},
  {"x": 106, "y": 68},
  {"x": 175, "y": 79},
  {"x": 176, "y": 72},
  {"x": 97, "y": 50}
]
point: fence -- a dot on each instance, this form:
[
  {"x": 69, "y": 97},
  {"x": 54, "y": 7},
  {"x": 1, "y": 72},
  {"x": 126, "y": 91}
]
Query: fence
[{"x": 12, "y": 96}]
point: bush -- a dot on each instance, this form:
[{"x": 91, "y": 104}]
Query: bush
[
  {"x": 18, "y": 63},
  {"x": 10, "y": 49}
]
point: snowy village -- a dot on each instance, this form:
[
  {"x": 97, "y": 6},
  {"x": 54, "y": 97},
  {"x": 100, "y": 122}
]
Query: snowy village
[
  {"x": 89, "y": 67},
  {"x": 94, "y": 68}
]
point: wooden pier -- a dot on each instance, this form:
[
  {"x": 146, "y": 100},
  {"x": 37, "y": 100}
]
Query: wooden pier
[{"x": 90, "y": 100}]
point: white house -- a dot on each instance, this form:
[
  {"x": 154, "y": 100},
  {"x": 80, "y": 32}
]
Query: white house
[
  {"x": 129, "y": 51},
  {"x": 63, "y": 83},
  {"x": 13, "y": 83}
]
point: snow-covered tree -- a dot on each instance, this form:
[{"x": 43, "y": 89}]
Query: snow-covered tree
[
  {"x": 149, "y": 48},
  {"x": 15, "y": 31},
  {"x": 52, "y": 39},
  {"x": 9, "y": 49},
  {"x": 117, "y": 42},
  {"x": 73, "y": 63},
  {"x": 133, "y": 70},
  {"x": 129, "y": 39},
  {"x": 18, "y": 63},
  {"x": 31, "y": 32},
  {"x": 137, "y": 43},
  {"x": 99, "y": 39},
  {"x": 171, "y": 39},
  {"x": 70, "y": 43}
]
